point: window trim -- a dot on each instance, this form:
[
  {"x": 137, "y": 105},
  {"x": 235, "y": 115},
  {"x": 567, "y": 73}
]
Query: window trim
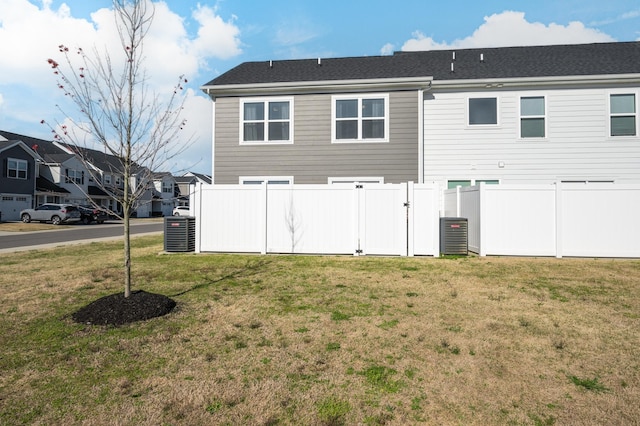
[
  {"x": 74, "y": 176},
  {"x": 611, "y": 114},
  {"x": 252, "y": 180},
  {"x": 525, "y": 117},
  {"x": 350, "y": 180},
  {"x": 17, "y": 169},
  {"x": 468, "y": 111},
  {"x": 265, "y": 101},
  {"x": 360, "y": 97},
  {"x": 473, "y": 182}
]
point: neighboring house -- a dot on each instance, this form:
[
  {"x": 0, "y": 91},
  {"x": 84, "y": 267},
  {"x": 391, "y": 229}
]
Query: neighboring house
[
  {"x": 18, "y": 175},
  {"x": 69, "y": 174},
  {"x": 48, "y": 188},
  {"x": 165, "y": 194},
  {"x": 535, "y": 114},
  {"x": 186, "y": 184}
]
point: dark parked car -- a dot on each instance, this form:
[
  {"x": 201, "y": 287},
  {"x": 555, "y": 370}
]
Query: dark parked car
[
  {"x": 90, "y": 214},
  {"x": 54, "y": 213}
]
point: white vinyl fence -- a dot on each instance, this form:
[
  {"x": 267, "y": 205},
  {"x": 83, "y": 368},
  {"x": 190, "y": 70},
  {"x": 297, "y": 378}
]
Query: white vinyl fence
[
  {"x": 366, "y": 219},
  {"x": 583, "y": 220}
]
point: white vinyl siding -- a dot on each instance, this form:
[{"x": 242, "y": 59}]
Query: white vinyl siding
[{"x": 577, "y": 144}]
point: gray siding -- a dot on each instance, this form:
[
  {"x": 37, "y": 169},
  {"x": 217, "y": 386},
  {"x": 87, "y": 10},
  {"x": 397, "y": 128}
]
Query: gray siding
[
  {"x": 312, "y": 158},
  {"x": 17, "y": 186}
]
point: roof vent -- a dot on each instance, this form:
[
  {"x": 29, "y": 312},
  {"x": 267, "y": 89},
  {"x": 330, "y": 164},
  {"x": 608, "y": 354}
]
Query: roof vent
[
  {"x": 319, "y": 61},
  {"x": 453, "y": 56},
  {"x": 482, "y": 57},
  {"x": 452, "y": 70},
  {"x": 270, "y": 64}
]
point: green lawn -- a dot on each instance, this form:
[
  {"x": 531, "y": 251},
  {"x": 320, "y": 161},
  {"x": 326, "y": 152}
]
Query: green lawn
[{"x": 321, "y": 340}]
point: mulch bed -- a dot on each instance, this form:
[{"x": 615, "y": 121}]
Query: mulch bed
[{"x": 118, "y": 310}]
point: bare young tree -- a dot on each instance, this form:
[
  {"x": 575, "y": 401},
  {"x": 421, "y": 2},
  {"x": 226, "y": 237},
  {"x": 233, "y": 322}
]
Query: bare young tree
[{"x": 117, "y": 112}]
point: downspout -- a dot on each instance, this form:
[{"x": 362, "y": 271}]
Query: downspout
[
  {"x": 420, "y": 135},
  {"x": 213, "y": 137}
]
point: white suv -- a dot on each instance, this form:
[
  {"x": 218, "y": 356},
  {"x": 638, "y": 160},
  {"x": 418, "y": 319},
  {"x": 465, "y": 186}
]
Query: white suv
[
  {"x": 181, "y": 211},
  {"x": 54, "y": 213}
]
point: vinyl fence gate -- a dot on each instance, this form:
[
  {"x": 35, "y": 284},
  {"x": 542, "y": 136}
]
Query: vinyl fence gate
[{"x": 358, "y": 219}]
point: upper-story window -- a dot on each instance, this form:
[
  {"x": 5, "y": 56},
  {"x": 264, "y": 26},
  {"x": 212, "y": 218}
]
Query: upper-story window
[
  {"x": 623, "y": 114},
  {"x": 16, "y": 168},
  {"x": 266, "y": 120},
  {"x": 74, "y": 176},
  {"x": 167, "y": 187},
  {"x": 483, "y": 111},
  {"x": 360, "y": 118},
  {"x": 532, "y": 117},
  {"x": 107, "y": 179}
]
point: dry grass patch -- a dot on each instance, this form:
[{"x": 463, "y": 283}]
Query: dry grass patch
[
  {"x": 272, "y": 340},
  {"x": 30, "y": 227}
]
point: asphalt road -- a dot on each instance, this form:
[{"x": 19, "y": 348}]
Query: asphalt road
[{"x": 19, "y": 241}]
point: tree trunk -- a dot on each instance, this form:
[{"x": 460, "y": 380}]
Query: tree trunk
[{"x": 127, "y": 256}]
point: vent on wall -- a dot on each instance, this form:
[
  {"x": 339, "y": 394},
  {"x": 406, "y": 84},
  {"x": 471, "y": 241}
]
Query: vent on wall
[{"x": 454, "y": 235}]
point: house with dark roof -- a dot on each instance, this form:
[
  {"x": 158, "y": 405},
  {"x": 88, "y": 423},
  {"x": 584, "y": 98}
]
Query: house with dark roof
[
  {"x": 531, "y": 114},
  {"x": 186, "y": 185},
  {"x": 69, "y": 174},
  {"x": 18, "y": 174}
]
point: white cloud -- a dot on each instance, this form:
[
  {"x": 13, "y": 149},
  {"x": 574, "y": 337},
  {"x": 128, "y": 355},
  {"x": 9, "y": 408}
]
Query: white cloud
[
  {"x": 216, "y": 37},
  {"x": 622, "y": 17},
  {"x": 512, "y": 29},
  {"x": 387, "y": 49},
  {"x": 197, "y": 131},
  {"x": 295, "y": 31},
  {"x": 30, "y": 33}
]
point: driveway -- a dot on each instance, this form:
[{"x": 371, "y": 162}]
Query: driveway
[{"x": 20, "y": 241}]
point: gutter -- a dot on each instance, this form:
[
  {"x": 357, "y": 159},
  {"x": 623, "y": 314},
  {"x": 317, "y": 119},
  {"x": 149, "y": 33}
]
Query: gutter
[
  {"x": 326, "y": 86},
  {"x": 529, "y": 82}
]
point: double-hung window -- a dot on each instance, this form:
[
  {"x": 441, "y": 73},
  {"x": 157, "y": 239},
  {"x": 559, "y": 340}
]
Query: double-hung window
[
  {"x": 623, "y": 114},
  {"x": 532, "y": 117},
  {"x": 266, "y": 121},
  {"x": 483, "y": 111},
  {"x": 16, "y": 168},
  {"x": 360, "y": 118},
  {"x": 74, "y": 176}
]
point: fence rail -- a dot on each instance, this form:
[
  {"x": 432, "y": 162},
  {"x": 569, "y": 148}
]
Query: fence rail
[
  {"x": 368, "y": 219},
  {"x": 582, "y": 220}
]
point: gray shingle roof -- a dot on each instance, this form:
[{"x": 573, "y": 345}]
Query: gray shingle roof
[
  {"x": 501, "y": 62},
  {"x": 46, "y": 149}
]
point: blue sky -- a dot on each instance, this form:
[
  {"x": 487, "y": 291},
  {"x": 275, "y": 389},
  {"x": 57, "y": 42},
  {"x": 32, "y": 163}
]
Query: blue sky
[{"x": 204, "y": 39}]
